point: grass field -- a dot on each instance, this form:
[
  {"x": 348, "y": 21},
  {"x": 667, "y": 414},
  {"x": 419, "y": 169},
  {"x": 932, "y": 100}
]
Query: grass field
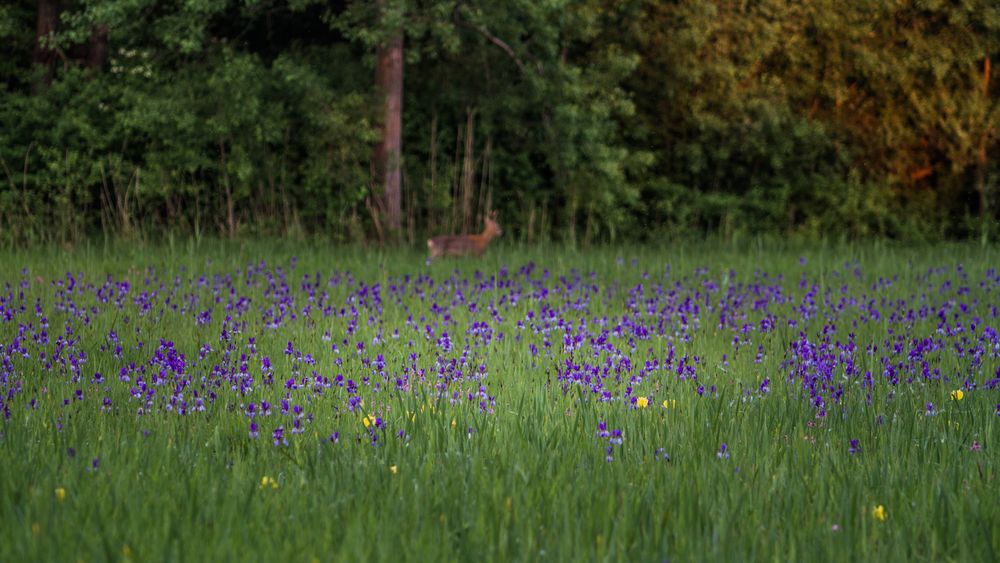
[{"x": 269, "y": 401}]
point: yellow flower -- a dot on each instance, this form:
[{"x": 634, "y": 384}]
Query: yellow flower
[
  {"x": 368, "y": 421},
  {"x": 642, "y": 402},
  {"x": 669, "y": 404},
  {"x": 266, "y": 481},
  {"x": 60, "y": 494},
  {"x": 453, "y": 423},
  {"x": 957, "y": 395},
  {"x": 35, "y": 529},
  {"x": 879, "y": 513},
  {"x": 393, "y": 469}
]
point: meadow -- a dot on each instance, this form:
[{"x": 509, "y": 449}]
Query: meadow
[{"x": 276, "y": 401}]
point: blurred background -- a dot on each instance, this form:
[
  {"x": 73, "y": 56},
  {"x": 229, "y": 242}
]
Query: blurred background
[{"x": 581, "y": 122}]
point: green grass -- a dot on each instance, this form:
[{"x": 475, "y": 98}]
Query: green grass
[{"x": 530, "y": 482}]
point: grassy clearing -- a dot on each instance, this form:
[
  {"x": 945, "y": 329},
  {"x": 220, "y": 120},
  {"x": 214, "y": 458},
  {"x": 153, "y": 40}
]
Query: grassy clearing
[{"x": 488, "y": 444}]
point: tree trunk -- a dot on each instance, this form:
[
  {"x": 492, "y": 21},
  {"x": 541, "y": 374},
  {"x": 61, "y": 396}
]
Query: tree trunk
[
  {"x": 982, "y": 166},
  {"x": 982, "y": 161},
  {"x": 388, "y": 151},
  {"x": 468, "y": 173},
  {"x": 97, "y": 51},
  {"x": 45, "y": 55}
]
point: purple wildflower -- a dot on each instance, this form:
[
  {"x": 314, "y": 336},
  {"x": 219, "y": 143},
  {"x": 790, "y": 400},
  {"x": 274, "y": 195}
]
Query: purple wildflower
[
  {"x": 444, "y": 343},
  {"x": 854, "y": 448},
  {"x": 279, "y": 436},
  {"x": 616, "y": 437},
  {"x": 723, "y": 452},
  {"x": 602, "y": 428}
]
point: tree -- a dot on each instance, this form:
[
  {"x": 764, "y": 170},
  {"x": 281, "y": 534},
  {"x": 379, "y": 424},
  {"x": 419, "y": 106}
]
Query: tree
[
  {"x": 45, "y": 51},
  {"x": 389, "y": 150}
]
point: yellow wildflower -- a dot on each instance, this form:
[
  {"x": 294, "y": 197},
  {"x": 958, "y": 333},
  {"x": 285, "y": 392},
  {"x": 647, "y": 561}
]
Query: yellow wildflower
[
  {"x": 266, "y": 481},
  {"x": 957, "y": 395},
  {"x": 879, "y": 513},
  {"x": 60, "y": 494},
  {"x": 642, "y": 402},
  {"x": 669, "y": 403},
  {"x": 393, "y": 469}
]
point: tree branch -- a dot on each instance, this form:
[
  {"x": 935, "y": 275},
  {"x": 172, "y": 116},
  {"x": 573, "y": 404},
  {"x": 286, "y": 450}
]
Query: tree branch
[{"x": 456, "y": 13}]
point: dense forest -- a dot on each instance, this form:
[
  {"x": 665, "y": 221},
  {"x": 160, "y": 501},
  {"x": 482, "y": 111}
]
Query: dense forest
[{"x": 579, "y": 121}]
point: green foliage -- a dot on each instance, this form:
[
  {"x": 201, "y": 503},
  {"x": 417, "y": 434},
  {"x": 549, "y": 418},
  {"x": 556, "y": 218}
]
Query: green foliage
[
  {"x": 773, "y": 114},
  {"x": 153, "y": 145},
  {"x": 580, "y": 120}
]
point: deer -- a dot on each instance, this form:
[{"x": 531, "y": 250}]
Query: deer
[{"x": 463, "y": 245}]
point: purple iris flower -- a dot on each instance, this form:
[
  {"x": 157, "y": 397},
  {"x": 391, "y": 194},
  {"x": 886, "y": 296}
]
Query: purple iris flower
[
  {"x": 616, "y": 437},
  {"x": 854, "y": 448},
  {"x": 279, "y": 436},
  {"x": 602, "y": 428},
  {"x": 723, "y": 452}
]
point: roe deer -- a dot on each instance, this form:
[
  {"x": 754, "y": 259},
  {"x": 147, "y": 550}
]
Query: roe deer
[{"x": 461, "y": 245}]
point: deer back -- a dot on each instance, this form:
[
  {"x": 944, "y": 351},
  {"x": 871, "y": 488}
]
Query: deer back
[{"x": 463, "y": 245}]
